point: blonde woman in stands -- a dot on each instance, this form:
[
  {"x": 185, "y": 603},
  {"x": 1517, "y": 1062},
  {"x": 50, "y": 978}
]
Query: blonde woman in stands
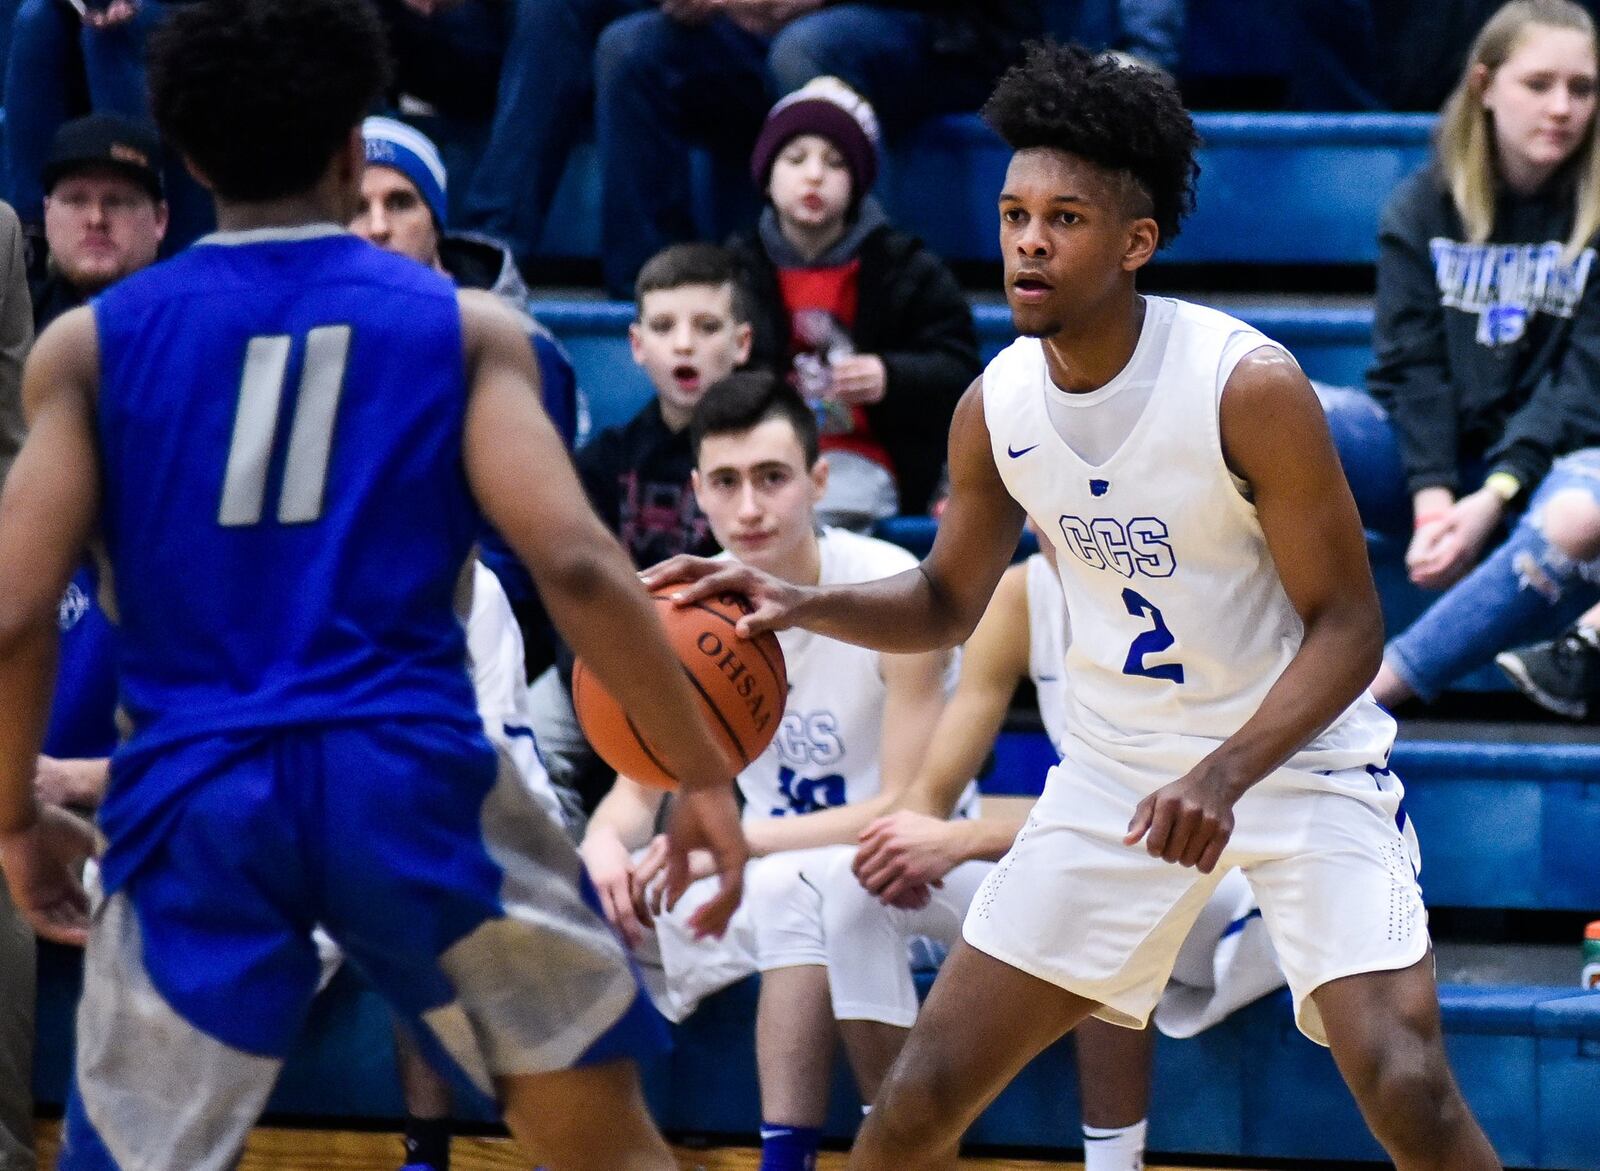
[{"x": 1488, "y": 349}]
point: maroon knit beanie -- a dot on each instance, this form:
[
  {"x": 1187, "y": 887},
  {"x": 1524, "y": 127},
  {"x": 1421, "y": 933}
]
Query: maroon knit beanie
[{"x": 831, "y": 109}]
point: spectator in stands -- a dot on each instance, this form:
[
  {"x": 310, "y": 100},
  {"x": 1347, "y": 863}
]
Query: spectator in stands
[
  {"x": 868, "y": 324},
  {"x": 60, "y": 52},
  {"x": 692, "y": 329},
  {"x": 709, "y": 70},
  {"x": 104, "y": 212},
  {"x": 1487, "y": 342},
  {"x": 405, "y": 209},
  {"x": 16, "y": 937},
  {"x": 853, "y": 735}
]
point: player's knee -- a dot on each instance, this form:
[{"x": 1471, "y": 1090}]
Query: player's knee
[
  {"x": 917, "y": 1106},
  {"x": 1402, "y": 1079},
  {"x": 1571, "y": 522}
]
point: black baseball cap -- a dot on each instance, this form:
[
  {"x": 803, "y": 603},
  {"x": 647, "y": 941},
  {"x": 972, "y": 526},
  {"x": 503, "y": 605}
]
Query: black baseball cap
[{"x": 106, "y": 140}]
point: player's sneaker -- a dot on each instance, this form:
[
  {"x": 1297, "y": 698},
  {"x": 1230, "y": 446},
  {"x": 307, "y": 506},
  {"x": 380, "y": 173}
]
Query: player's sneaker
[{"x": 1562, "y": 675}]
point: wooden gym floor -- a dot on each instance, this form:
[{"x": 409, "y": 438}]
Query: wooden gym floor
[{"x": 274, "y": 1149}]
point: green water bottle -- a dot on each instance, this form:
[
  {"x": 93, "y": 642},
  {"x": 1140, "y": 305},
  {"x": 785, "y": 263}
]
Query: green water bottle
[{"x": 1591, "y": 957}]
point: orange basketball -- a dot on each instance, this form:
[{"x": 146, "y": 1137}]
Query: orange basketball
[{"x": 741, "y": 683}]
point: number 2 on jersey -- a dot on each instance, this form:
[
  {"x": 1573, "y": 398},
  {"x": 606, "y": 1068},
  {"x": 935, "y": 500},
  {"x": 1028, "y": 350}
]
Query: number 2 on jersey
[
  {"x": 1152, "y": 642},
  {"x": 255, "y": 428}
]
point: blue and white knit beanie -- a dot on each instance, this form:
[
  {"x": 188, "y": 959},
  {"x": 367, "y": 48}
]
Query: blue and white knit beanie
[{"x": 391, "y": 143}]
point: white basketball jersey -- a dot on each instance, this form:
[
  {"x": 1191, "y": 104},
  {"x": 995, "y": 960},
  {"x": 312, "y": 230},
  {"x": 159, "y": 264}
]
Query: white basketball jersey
[
  {"x": 1047, "y": 648},
  {"x": 1179, "y": 619},
  {"x": 828, "y": 748}
]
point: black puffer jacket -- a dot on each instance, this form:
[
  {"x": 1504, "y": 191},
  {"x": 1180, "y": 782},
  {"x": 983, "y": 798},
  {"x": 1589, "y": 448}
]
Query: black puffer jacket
[{"x": 913, "y": 315}]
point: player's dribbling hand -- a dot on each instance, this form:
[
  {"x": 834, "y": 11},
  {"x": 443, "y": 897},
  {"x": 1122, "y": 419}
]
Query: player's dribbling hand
[
  {"x": 772, "y": 599},
  {"x": 707, "y": 818},
  {"x": 1188, "y": 822},
  {"x": 42, "y": 864}
]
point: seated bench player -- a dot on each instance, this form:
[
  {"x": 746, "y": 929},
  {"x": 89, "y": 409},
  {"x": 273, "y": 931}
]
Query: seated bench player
[{"x": 852, "y": 736}]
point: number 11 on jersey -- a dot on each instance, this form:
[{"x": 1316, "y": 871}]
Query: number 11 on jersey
[{"x": 255, "y": 427}]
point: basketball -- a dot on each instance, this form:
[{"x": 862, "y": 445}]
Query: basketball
[{"x": 741, "y": 684}]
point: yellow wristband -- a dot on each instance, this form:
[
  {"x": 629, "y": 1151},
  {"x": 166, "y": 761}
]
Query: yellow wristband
[{"x": 1504, "y": 485}]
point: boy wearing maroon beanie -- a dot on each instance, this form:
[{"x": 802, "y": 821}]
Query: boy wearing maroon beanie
[{"x": 870, "y": 326}]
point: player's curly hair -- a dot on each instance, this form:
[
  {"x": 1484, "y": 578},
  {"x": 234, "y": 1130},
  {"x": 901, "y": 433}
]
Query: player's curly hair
[
  {"x": 260, "y": 94},
  {"x": 1121, "y": 117}
]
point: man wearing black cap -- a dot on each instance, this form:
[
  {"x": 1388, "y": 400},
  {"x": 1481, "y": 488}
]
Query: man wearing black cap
[{"x": 104, "y": 210}]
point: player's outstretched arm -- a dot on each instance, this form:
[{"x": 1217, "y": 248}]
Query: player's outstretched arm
[
  {"x": 931, "y": 607},
  {"x": 1276, "y": 438},
  {"x": 528, "y": 489},
  {"x": 47, "y": 512}
]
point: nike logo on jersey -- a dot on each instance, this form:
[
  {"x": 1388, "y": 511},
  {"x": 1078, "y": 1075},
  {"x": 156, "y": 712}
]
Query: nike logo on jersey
[{"x": 1015, "y": 454}]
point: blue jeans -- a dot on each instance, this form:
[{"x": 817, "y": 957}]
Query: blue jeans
[
  {"x": 1525, "y": 590},
  {"x": 541, "y": 111},
  {"x": 59, "y": 69},
  {"x": 1151, "y": 29},
  {"x": 662, "y": 86}
]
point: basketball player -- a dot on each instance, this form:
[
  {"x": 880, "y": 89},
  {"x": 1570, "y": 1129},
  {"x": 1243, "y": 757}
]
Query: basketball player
[
  {"x": 283, "y": 438},
  {"x": 907, "y": 857},
  {"x": 852, "y": 736},
  {"x": 1224, "y": 630}
]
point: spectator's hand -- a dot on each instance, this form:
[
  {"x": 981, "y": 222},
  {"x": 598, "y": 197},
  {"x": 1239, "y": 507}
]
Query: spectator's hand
[
  {"x": 1189, "y": 821},
  {"x": 118, "y": 12},
  {"x": 773, "y": 600},
  {"x": 1454, "y": 542},
  {"x": 611, "y": 870},
  {"x": 902, "y": 856},
  {"x": 859, "y": 380},
  {"x": 42, "y": 864},
  {"x": 707, "y": 819},
  {"x": 691, "y": 11},
  {"x": 764, "y": 18},
  {"x": 1431, "y": 549}
]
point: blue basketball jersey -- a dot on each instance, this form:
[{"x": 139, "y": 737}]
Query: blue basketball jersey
[{"x": 285, "y": 506}]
